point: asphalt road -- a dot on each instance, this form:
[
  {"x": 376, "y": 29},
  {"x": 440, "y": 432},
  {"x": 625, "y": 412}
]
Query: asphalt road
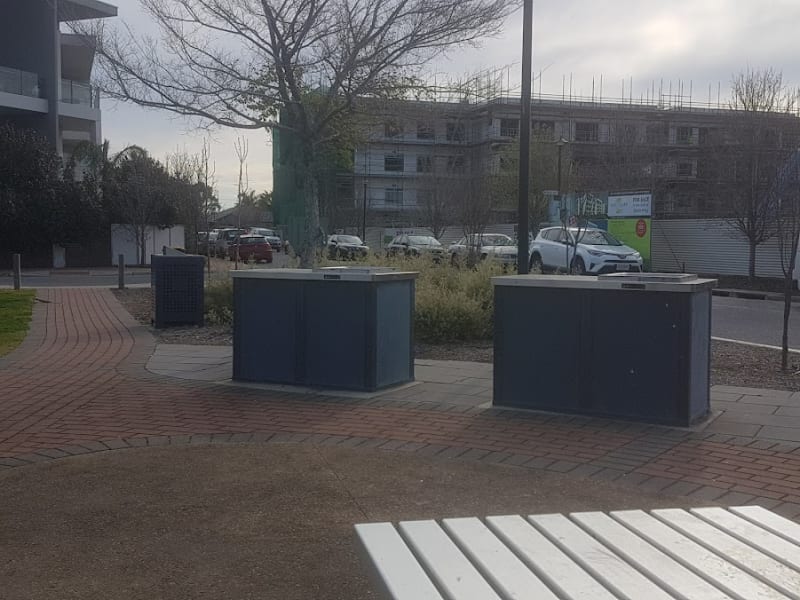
[
  {"x": 758, "y": 321},
  {"x": 75, "y": 279}
]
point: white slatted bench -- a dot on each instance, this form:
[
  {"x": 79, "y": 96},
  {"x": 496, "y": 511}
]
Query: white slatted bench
[{"x": 742, "y": 553}]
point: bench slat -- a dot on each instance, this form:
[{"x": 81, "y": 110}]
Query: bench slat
[
  {"x": 597, "y": 559},
  {"x": 450, "y": 569},
  {"x": 769, "y": 520},
  {"x": 499, "y": 564},
  {"x": 750, "y": 533},
  {"x": 402, "y": 575},
  {"x": 554, "y": 567},
  {"x": 695, "y": 557},
  {"x": 744, "y": 556},
  {"x": 672, "y": 575}
]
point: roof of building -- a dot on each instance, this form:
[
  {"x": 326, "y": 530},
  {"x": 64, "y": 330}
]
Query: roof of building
[{"x": 79, "y": 10}]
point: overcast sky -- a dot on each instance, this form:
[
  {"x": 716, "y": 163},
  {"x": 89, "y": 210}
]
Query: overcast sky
[{"x": 699, "y": 42}]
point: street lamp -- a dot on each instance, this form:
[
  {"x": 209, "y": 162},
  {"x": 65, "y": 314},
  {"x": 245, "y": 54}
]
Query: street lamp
[
  {"x": 560, "y": 145},
  {"x": 364, "y": 204},
  {"x": 562, "y": 205},
  {"x": 364, "y": 214}
]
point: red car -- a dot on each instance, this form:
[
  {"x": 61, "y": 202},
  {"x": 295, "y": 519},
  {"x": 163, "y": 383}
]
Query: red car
[{"x": 251, "y": 247}]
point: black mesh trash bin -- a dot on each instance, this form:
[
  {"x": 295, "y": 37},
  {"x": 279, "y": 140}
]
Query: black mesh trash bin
[
  {"x": 621, "y": 346},
  {"x": 177, "y": 284},
  {"x": 341, "y": 328}
]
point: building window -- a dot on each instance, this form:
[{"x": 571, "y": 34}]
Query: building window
[
  {"x": 424, "y": 164},
  {"x": 628, "y": 134},
  {"x": 393, "y": 162},
  {"x": 685, "y": 169},
  {"x": 543, "y": 130},
  {"x": 394, "y": 196},
  {"x": 455, "y": 164},
  {"x": 683, "y": 135},
  {"x": 425, "y": 131},
  {"x": 657, "y": 133},
  {"x": 455, "y": 132},
  {"x": 392, "y": 129},
  {"x": 586, "y": 132},
  {"x": 509, "y": 128}
]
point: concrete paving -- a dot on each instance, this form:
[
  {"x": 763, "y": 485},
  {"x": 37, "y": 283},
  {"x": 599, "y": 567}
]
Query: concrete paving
[
  {"x": 448, "y": 382},
  {"x": 752, "y": 412}
]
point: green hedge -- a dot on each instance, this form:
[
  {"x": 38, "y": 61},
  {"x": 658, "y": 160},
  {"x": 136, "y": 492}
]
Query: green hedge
[{"x": 452, "y": 304}]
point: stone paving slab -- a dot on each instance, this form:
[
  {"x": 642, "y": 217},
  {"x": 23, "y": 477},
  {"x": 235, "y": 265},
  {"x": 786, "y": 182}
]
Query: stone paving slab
[{"x": 78, "y": 381}]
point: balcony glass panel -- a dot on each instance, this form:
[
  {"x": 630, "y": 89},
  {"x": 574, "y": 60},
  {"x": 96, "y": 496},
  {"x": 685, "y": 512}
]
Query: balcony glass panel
[
  {"x": 74, "y": 92},
  {"x": 22, "y": 83}
]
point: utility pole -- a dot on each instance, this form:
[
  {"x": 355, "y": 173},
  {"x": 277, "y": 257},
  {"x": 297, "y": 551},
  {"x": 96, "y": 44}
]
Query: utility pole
[{"x": 525, "y": 137}]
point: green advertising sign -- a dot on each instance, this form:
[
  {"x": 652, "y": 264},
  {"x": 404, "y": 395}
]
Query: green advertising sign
[{"x": 634, "y": 233}]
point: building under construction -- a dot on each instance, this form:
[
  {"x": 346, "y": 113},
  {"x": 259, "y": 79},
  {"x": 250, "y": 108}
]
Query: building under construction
[{"x": 434, "y": 148}]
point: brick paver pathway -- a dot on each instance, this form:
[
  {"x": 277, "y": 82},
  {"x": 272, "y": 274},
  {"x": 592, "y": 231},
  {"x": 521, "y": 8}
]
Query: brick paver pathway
[{"x": 77, "y": 385}]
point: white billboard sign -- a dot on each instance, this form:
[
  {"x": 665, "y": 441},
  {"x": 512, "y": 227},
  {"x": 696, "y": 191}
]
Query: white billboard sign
[{"x": 630, "y": 205}]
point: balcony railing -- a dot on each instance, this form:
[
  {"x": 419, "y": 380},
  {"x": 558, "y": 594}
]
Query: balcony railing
[
  {"x": 74, "y": 92},
  {"x": 22, "y": 83}
]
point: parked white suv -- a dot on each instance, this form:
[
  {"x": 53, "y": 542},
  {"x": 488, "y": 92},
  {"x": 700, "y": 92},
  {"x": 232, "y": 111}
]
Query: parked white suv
[{"x": 596, "y": 252}]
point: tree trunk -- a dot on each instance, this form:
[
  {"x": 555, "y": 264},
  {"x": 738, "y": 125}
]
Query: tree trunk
[
  {"x": 787, "y": 310},
  {"x": 144, "y": 246},
  {"x": 313, "y": 234},
  {"x": 751, "y": 271}
]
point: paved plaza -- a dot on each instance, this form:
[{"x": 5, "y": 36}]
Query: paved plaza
[{"x": 90, "y": 379}]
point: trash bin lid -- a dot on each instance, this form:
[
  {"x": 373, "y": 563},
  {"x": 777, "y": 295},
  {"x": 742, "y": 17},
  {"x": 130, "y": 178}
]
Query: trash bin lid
[
  {"x": 651, "y": 277},
  {"x": 368, "y": 270},
  {"x": 651, "y": 282},
  {"x": 330, "y": 274}
]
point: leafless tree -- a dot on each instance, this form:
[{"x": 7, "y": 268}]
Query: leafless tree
[
  {"x": 786, "y": 215},
  {"x": 474, "y": 211},
  {"x": 435, "y": 205},
  {"x": 294, "y": 66},
  {"x": 748, "y": 159}
]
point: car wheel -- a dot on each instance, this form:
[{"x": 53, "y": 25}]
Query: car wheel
[
  {"x": 536, "y": 265},
  {"x": 578, "y": 266}
]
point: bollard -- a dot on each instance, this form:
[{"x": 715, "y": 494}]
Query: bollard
[
  {"x": 121, "y": 270},
  {"x": 17, "y": 260}
]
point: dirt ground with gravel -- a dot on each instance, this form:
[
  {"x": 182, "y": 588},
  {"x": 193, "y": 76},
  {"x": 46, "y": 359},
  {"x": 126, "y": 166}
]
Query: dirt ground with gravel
[
  {"x": 731, "y": 364},
  {"x": 266, "y": 521}
]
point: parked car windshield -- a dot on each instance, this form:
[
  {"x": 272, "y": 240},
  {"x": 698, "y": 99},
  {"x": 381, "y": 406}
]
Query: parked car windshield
[
  {"x": 598, "y": 237},
  {"x": 264, "y": 232},
  {"x": 349, "y": 239},
  {"x": 423, "y": 240},
  {"x": 496, "y": 240}
]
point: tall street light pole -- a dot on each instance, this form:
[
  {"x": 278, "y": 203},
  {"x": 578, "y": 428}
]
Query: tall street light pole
[
  {"x": 364, "y": 214},
  {"x": 561, "y": 207},
  {"x": 525, "y": 137}
]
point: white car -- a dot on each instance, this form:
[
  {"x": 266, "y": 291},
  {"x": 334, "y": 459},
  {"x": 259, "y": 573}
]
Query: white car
[
  {"x": 497, "y": 246},
  {"x": 596, "y": 252}
]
